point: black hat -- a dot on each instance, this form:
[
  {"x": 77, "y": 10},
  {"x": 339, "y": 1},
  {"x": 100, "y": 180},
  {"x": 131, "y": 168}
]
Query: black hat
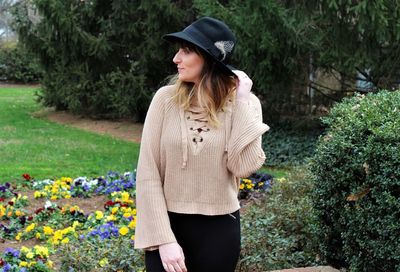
[{"x": 213, "y": 37}]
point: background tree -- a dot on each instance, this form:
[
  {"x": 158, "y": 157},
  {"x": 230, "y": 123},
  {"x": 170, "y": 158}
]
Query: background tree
[
  {"x": 358, "y": 40},
  {"x": 100, "y": 58},
  {"x": 286, "y": 46},
  {"x": 105, "y": 58},
  {"x": 273, "y": 47}
]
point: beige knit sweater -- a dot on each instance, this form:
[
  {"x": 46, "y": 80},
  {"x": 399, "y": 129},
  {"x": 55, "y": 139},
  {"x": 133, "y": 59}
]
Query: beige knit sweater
[{"x": 188, "y": 166}]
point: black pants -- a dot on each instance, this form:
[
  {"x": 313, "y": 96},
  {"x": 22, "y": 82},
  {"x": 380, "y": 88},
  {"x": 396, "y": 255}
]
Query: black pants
[{"x": 209, "y": 243}]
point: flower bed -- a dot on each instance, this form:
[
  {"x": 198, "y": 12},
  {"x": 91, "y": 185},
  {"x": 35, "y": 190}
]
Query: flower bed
[{"x": 61, "y": 232}]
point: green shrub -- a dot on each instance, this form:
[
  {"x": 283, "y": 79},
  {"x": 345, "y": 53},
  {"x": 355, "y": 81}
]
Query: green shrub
[
  {"x": 288, "y": 144},
  {"x": 356, "y": 172},
  {"x": 116, "y": 254},
  {"x": 17, "y": 65},
  {"x": 277, "y": 229}
]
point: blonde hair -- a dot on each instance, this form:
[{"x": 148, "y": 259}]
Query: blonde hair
[{"x": 213, "y": 90}]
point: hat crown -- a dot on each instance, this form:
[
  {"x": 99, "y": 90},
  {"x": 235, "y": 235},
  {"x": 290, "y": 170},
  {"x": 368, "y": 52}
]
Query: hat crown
[{"x": 214, "y": 36}]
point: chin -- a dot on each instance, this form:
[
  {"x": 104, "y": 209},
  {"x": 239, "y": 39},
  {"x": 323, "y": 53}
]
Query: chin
[{"x": 185, "y": 79}]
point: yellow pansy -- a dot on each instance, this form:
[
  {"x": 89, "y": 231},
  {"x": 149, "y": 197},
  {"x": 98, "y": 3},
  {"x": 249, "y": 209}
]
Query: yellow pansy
[
  {"x": 30, "y": 227},
  {"x": 111, "y": 218},
  {"x": 18, "y": 213},
  {"x": 49, "y": 263},
  {"x": 123, "y": 230},
  {"x": 48, "y": 230},
  {"x": 132, "y": 224},
  {"x": 99, "y": 215},
  {"x": 2, "y": 211},
  {"x": 24, "y": 249},
  {"x": 30, "y": 255},
  {"x": 42, "y": 251},
  {"x": 244, "y": 180},
  {"x": 114, "y": 210}
]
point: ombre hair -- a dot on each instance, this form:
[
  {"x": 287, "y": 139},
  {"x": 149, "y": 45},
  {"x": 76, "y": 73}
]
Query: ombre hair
[{"x": 213, "y": 90}]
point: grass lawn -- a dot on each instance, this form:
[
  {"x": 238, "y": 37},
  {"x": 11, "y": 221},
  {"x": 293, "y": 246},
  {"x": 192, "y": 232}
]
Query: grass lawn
[
  {"x": 49, "y": 150},
  {"x": 276, "y": 172}
]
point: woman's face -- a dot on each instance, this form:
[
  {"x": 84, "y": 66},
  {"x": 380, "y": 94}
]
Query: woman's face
[{"x": 189, "y": 64}]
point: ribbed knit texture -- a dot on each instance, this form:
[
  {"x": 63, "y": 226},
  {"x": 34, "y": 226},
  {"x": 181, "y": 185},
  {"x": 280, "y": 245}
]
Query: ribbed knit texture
[{"x": 208, "y": 183}]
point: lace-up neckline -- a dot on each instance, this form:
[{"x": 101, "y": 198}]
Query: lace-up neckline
[
  {"x": 195, "y": 127},
  {"x": 197, "y": 122}
]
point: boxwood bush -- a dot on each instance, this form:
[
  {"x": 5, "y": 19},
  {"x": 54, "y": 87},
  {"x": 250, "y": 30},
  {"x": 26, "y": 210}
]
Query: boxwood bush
[
  {"x": 277, "y": 229},
  {"x": 356, "y": 172}
]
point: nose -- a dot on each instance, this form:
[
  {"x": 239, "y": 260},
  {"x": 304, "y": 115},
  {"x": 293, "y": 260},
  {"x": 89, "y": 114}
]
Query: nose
[{"x": 177, "y": 57}]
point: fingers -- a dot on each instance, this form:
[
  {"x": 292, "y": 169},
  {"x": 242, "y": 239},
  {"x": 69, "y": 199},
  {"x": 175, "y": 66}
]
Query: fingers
[
  {"x": 182, "y": 262},
  {"x": 173, "y": 259},
  {"x": 182, "y": 265},
  {"x": 175, "y": 266},
  {"x": 170, "y": 268}
]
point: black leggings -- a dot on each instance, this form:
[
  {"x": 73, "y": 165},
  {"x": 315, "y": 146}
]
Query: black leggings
[{"x": 209, "y": 243}]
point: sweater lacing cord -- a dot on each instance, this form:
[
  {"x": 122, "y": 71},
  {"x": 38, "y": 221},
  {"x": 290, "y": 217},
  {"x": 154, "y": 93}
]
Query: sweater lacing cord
[
  {"x": 184, "y": 138},
  {"x": 228, "y": 124}
]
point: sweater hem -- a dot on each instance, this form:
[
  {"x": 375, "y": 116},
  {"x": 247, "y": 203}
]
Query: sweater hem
[{"x": 202, "y": 208}]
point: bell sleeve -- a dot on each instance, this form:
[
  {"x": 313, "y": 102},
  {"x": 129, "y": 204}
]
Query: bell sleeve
[
  {"x": 153, "y": 226},
  {"x": 245, "y": 153}
]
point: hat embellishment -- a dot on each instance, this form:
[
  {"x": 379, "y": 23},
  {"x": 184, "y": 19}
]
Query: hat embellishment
[{"x": 224, "y": 47}]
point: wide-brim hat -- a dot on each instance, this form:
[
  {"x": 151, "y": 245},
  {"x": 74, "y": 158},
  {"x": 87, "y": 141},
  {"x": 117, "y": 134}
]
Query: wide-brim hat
[{"x": 211, "y": 36}]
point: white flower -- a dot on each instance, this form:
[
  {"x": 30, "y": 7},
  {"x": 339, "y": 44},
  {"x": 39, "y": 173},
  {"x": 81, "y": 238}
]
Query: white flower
[
  {"x": 93, "y": 182},
  {"x": 48, "y": 204},
  {"x": 90, "y": 183},
  {"x": 80, "y": 179},
  {"x": 41, "y": 183}
]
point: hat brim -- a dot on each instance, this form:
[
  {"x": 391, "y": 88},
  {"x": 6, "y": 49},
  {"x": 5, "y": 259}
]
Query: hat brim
[{"x": 181, "y": 36}]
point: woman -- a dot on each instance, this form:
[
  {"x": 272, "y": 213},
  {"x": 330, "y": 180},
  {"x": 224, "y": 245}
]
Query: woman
[{"x": 201, "y": 134}]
